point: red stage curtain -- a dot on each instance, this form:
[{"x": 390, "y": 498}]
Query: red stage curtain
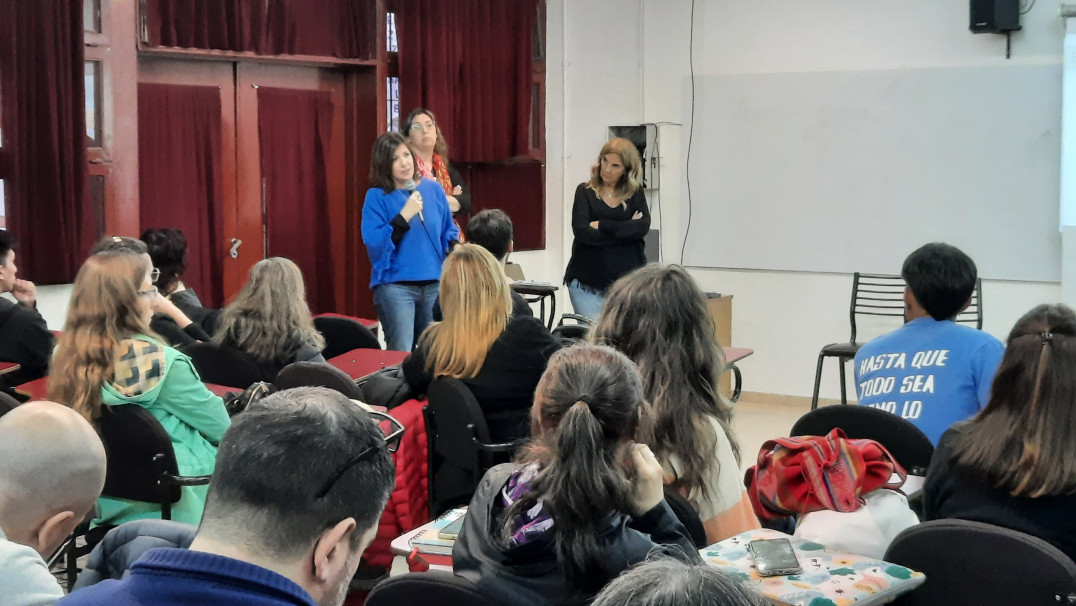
[
  {"x": 44, "y": 124},
  {"x": 180, "y": 182},
  {"x": 517, "y": 190},
  {"x": 295, "y": 127},
  {"x": 332, "y": 28},
  {"x": 470, "y": 63},
  {"x": 210, "y": 24}
]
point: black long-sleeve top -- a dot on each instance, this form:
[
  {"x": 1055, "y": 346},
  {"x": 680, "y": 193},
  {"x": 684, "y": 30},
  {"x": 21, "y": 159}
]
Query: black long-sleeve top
[
  {"x": 600, "y": 256},
  {"x": 505, "y": 386},
  {"x": 950, "y": 492}
]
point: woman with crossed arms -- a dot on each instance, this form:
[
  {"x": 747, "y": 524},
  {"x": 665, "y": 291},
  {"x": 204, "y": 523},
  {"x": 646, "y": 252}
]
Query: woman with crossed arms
[{"x": 609, "y": 219}]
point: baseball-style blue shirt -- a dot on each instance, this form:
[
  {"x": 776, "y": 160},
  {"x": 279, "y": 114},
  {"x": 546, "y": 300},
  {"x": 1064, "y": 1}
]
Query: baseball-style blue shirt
[{"x": 932, "y": 373}]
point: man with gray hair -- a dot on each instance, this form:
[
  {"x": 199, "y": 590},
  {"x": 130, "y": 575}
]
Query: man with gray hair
[
  {"x": 300, "y": 482},
  {"x": 52, "y": 469}
]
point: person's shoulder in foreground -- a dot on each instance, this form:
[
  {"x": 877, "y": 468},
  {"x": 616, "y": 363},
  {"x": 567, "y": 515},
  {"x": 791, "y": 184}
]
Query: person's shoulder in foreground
[
  {"x": 301, "y": 479},
  {"x": 53, "y": 470}
]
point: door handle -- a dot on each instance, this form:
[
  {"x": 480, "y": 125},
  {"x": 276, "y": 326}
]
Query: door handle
[{"x": 234, "y": 251}]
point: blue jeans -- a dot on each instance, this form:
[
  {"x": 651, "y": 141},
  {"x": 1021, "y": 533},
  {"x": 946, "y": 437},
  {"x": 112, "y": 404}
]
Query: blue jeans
[
  {"x": 404, "y": 312},
  {"x": 586, "y": 301}
]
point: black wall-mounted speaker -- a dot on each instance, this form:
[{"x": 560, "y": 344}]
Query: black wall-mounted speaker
[{"x": 995, "y": 16}]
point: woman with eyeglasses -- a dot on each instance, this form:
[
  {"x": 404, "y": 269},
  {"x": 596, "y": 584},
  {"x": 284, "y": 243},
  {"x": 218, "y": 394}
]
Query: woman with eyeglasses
[
  {"x": 408, "y": 230},
  {"x": 169, "y": 322},
  {"x": 1014, "y": 463},
  {"x": 108, "y": 356},
  {"x": 431, "y": 158},
  {"x": 583, "y": 502}
]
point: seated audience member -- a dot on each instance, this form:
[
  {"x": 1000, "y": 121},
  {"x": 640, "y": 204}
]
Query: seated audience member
[
  {"x": 691, "y": 428},
  {"x": 168, "y": 321},
  {"x": 269, "y": 319},
  {"x": 492, "y": 230},
  {"x": 1014, "y": 464},
  {"x": 24, "y": 336},
  {"x": 53, "y": 467},
  {"x": 931, "y": 371},
  {"x": 583, "y": 503},
  {"x": 499, "y": 356},
  {"x": 670, "y": 582},
  {"x": 301, "y": 481},
  {"x": 108, "y": 356},
  {"x": 168, "y": 250}
]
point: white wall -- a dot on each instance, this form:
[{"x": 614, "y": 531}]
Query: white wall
[
  {"x": 788, "y": 316},
  {"x": 622, "y": 62},
  {"x": 52, "y": 304},
  {"x": 593, "y": 80}
]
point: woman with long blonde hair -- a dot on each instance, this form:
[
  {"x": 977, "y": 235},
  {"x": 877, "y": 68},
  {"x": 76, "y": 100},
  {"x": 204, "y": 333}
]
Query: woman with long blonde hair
[
  {"x": 269, "y": 319},
  {"x": 107, "y": 356},
  {"x": 497, "y": 355},
  {"x": 500, "y": 357},
  {"x": 609, "y": 220}
]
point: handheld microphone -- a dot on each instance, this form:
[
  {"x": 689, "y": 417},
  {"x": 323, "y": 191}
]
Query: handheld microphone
[{"x": 411, "y": 186}]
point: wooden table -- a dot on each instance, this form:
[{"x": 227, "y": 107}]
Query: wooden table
[
  {"x": 358, "y": 363},
  {"x": 37, "y": 389},
  {"x": 220, "y": 390},
  {"x": 368, "y": 323}
]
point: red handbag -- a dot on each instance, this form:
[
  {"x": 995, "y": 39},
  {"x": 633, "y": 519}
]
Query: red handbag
[{"x": 810, "y": 473}]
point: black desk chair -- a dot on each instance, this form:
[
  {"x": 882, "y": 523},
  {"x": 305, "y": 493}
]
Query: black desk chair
[
  {"x": 317, "y": 374},
  {"x": 880, "y": 295},
  {"x": 224, "y": 365},
  {"x": 141, "y": 466},
  {"x": 457, "y": 432},
  {"x": 573, "y": 333},
  {"x": 343, "y": 335},
  {"x": 432, "y": 588},
  {"x": 970, "y": 563},
  {"x": 7, "y": 403},
  {"x": 908, "y": 445}
]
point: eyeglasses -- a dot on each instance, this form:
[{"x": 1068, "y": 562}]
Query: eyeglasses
[
  {"x": 151, "y": 291},
  {"x": 391, "y": 443},
  {"x": 416, "y": 126},
  {"x": 154, "y": 274}
]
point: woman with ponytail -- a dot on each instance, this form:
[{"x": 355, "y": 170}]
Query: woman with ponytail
[
  {"x": 108, "y": 356},
  {"x": 1014, "y": 464},
  {"x": 582, "y": 503}
]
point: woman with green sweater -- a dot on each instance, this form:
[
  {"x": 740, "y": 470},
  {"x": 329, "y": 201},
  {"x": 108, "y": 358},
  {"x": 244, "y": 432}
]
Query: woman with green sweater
[{"x": 107, "y": 356}]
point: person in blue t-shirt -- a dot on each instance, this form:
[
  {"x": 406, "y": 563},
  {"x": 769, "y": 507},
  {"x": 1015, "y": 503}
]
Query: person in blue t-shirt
[
  {"x": 408, "y": 230},
  {"x": 931, "y": 371}
]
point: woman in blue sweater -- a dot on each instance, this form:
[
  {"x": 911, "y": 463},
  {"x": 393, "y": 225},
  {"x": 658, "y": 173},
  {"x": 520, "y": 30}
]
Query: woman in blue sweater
[{"x": 408, "y": 230}]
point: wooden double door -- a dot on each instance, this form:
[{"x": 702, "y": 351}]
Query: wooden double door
[{"x": 279, "y": 184}]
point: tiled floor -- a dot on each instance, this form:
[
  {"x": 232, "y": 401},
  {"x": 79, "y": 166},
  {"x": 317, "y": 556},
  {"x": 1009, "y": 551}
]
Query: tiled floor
[{"x": 755, "y": 422}]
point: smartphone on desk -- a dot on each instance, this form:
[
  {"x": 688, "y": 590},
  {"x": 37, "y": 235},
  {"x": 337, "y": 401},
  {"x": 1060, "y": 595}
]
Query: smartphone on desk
[
  {"x": 450, "y": 532},
  {"x": 774, "y": 557}
]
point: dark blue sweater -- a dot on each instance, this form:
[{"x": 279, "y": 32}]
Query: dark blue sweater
[
  {"x": 164, "y": 577},
  {"x": 408, "y": 251}
]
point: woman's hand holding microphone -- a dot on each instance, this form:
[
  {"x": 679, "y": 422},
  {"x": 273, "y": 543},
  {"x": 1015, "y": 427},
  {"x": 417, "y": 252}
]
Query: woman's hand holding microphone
[{"x": 412, "y": 207}]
